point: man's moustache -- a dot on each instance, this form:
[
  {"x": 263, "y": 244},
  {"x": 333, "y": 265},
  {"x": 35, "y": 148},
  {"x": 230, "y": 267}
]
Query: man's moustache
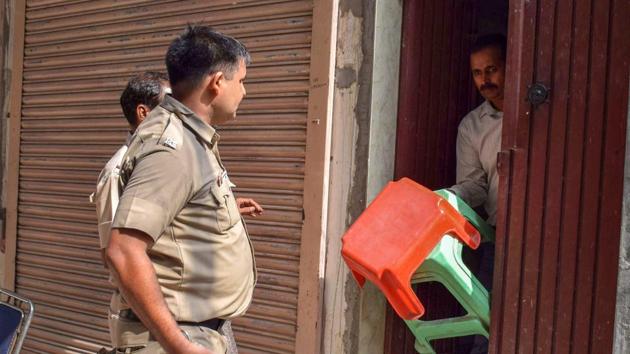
[{"x": 488, "y": 86}]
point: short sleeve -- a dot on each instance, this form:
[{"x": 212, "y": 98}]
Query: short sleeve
[{"x": 158, "y": 188}]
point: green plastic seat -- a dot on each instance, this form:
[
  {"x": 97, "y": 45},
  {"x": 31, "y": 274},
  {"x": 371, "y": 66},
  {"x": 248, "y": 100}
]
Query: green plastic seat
[{"x": 445, "y": 265}]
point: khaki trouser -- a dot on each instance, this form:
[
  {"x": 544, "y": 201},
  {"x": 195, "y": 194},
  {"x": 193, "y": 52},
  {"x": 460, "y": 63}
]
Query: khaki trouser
[{"x": 130, "y": 336}]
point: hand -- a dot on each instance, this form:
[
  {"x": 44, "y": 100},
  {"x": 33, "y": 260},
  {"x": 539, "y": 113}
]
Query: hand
[{"x": 247, "y": 206}]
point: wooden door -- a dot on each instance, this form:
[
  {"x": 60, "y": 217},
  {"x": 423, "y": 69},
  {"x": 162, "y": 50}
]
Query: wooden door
[{"x": 561, "y": 177}]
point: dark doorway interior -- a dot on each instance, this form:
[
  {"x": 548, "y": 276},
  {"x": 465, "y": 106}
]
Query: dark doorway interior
[{"x": 436, "y": 91}]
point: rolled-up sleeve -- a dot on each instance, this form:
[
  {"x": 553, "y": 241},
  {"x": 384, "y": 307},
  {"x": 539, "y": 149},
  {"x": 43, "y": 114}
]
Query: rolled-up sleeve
[
  {"x": 158, "y": 188},
  {"x": 472, "y": 181}
]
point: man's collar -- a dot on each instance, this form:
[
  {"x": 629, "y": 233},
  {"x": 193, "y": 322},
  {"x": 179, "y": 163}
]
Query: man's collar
[
  {"x": 190, "y": 119},
  {"x": 489, "y": 110},
  {"x": 129, "y": 136}
]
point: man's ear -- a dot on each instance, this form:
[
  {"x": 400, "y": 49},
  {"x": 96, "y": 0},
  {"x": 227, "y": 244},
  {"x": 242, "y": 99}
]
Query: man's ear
[
  {"x": 216, "y": 82},
  {"x": 142, "y": 111}
]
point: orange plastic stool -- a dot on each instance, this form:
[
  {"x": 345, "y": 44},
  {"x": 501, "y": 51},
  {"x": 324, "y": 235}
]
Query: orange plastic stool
[{"x": 394, "y": 235}]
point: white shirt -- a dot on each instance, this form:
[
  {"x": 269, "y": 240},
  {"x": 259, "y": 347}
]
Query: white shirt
[{"x": 478, "y": 143}]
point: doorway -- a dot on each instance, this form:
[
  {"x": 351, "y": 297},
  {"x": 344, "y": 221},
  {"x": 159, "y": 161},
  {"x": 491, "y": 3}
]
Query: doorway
[{"x": 436, "y": 92}]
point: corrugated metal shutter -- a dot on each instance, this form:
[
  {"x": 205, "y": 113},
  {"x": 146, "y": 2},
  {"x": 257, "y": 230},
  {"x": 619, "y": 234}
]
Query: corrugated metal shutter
[{"x": 78, "y": 55}]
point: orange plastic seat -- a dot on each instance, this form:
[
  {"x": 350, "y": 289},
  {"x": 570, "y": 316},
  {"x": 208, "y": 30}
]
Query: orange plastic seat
[{"x": 395, "y": 234}]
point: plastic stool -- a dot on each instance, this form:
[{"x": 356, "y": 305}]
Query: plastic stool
[
  {"x": 394, "y": 236},
  {"x": 486, "y": 231},
  {"x": 445, "y": 265}
]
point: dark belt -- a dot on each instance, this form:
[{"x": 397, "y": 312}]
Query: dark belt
[{"x": 213, "y": 324}]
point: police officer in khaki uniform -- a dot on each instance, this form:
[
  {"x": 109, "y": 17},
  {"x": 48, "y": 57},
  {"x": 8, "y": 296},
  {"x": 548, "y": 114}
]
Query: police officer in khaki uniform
[
  {"x": 142, "y": 93},
  {"x": 179, "y": 250}
]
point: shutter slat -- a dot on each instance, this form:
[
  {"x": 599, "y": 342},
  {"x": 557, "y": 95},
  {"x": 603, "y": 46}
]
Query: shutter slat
[
  {"x": 273, "y": 73},
  {"x": 55, "y": 225},
  {"x": 67, "y": 278},
  {"x": 275, "y": 296},
  {"x": 71, "y": 305},
  {"x": 287, "y": 88},
  {"x": 95, "y": 322},
  {"x": 67, "y": 290},
  {"x": 250, "y": 342},
  {"x": 35, "y": 344},
  {"x": 114, "y": 121},
  {"x": 64, "y": 336},
  {"x": 78, "y": 267},
  {"x": 99, "y": 338},
  {"x": 61, "y": 252},
  {"x": 275, "y": 137},
  {"x": 129, "y": 16},
  {"x": 42, "y": 236},
  {"x": 61, "y": 8}
]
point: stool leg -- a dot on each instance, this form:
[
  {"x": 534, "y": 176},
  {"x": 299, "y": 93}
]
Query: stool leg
[
  {"x": 421, "y": 344},
  {"x": 426, "y": 331},
  {"x": 450, "y": 270},
  {"x": 446, "y": 266}
]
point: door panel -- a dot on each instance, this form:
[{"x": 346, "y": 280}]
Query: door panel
[{"x": 562, "y": 178}]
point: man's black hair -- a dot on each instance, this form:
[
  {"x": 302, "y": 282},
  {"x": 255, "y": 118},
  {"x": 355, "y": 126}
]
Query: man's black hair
[
  {"x": 201, "y": 51},
  {"x": 147, "y": 88},
  {"x": 496, "y": 40}
]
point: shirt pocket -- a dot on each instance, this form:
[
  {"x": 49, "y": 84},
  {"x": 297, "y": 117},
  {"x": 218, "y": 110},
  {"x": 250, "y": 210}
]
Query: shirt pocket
[{"x": 227, "y": 213}]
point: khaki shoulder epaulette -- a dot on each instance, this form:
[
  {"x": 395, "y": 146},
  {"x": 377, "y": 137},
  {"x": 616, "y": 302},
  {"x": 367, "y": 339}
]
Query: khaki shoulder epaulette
[
  {"x": 173, "y": 133},
  {"x": 163, "y": 131}
]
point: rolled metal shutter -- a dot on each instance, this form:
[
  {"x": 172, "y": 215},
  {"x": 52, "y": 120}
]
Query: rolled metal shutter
[{"x": 78, "y": 55}]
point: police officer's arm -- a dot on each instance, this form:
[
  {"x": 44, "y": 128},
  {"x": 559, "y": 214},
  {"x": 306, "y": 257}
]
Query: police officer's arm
[
  {"x": 135, "y": 276},
  {"x": 157, "y": 189}
]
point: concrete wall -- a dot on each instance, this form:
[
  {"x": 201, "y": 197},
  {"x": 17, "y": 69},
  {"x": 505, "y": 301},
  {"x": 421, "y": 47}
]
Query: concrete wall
[
  {"x": 363, "y": 143},
  {"x": 381, "y": 151},
  {"x": 340, "y": 325},
  {"x": 622, "y": 318}
]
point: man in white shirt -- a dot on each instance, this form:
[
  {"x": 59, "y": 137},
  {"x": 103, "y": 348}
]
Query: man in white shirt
[
  {"x": 479, "y": 133},
  {"x": 478, "y": 143}
]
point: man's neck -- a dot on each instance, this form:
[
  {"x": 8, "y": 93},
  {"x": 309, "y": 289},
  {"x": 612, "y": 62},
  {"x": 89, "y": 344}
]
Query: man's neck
[
  {"x": 195, "y": 104},
  {"x": 497, "y": 104}
]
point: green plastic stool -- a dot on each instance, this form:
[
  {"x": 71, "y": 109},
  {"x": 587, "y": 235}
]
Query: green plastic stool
[
  {"x": 486, "y": 231},
  {"x": 445, "y": 265}
]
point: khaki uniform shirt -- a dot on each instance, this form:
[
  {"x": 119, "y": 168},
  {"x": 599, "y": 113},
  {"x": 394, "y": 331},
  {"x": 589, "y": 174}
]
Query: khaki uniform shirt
[
  {"x": 478, "y": 143},
  {"x": 176, "y": 190}
]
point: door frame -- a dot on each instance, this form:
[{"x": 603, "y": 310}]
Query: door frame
[{"x": 18, "y": 21}]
